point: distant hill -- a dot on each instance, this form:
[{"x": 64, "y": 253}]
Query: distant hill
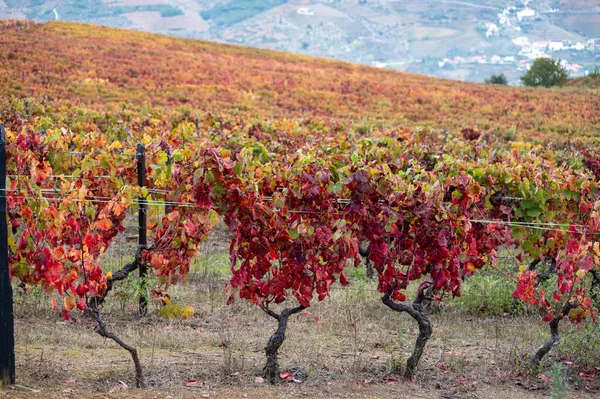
[
  {"x": 101, "y": 67},
  {"x": 463, "y": 40}
]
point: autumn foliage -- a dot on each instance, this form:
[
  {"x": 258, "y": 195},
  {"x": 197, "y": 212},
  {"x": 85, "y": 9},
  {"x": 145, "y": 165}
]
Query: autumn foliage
[{"x": 297, "y": 157}]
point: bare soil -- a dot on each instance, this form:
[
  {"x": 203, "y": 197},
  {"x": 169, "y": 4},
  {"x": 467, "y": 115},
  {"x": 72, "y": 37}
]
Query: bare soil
[{"x": 347, "y": 346}]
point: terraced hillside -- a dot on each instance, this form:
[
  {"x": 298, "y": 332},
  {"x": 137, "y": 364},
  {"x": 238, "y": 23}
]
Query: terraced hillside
[{"x": 102, "y": 66}]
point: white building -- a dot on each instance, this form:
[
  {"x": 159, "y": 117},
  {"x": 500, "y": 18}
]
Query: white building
[
  {"x": 578, "y": 46},
  {"x": 556, "y": 46},
  {"x": 305, "y": 11},
  {"x": 491, "y": 29},
  {"x": 540, "y": 45},
  {"x": 526, "y": 48},
  {"x": 520, "y": 41},
  {"x": 525, "y": 14},
  {"x": 503, "y": 19}
]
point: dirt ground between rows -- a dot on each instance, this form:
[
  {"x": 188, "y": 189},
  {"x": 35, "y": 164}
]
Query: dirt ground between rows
[
  {"x": 333, "y": 390},
  {"x": 344, "y": 347}
]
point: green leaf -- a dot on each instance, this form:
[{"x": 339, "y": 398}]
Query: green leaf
[
  {"x": 237, "y": 169},
  {"x": 534, "y": 212},
  {"x": 209, "y": 177},
  {"x": 528, "y": 204},
  {"x": 336, "y": 236},
  {"x": 336, "y": 188}
]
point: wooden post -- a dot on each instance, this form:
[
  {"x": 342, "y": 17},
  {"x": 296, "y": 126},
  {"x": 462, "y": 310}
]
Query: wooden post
[
  {"x": 142, "y": 226},
  {"x": 7, "y": 321},
  {"x": 168, "y": 207}
]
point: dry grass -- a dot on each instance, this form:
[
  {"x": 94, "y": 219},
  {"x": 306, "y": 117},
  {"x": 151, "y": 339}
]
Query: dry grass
[
  {"x": 347, "y": 345},
  {"x": 348, "y": 340}
]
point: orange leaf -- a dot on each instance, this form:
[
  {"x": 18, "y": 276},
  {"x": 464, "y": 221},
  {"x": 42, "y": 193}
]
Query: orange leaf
[
  {"x": 173, "y": 216},
  {"x": 118, "y": 209},
  {"x": 53, "y": 303},
  {"x": 71, "y": 277},
  {"x": 70, "y": 303},
  {"x": 59, "y": 253},
  {"x": 104, "y": 224},
  {"x": 74, "y": 255}
]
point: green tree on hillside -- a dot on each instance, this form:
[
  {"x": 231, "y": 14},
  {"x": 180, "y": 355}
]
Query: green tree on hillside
[{"x": 545, "y": 72}]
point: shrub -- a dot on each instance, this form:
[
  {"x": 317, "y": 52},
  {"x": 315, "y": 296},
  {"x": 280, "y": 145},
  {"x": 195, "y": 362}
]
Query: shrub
[
  {"x": 497, "y": 80},
  {"x": 545, "y": 72}
]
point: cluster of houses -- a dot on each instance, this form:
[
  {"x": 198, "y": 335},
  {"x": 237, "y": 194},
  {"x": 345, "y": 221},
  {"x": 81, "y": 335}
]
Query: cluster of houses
[
  {"x": 509, "y": 19},
  {"x": 477, "y": 59},
  {"x": 541, "y": 48},
  {"x": 522, "y": 65},
  {"x": 510, "y": 15}
]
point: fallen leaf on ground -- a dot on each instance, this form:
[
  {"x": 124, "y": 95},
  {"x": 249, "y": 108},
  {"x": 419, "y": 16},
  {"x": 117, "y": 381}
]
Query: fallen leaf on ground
[
  {"x": 390, "y": 380},
  {"x": 286, "y": 375}
]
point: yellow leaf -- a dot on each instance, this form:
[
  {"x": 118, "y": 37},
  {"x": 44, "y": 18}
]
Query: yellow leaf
[
  {"x": 109, "y": 275},
  {"x": 82, "y": 193},
  {"x": 597, "y": 248},
  {"x": 11, "y": 242},
  {"x": 386, "y": 169},
  {"x": 187, "y": 312},
  {"x": 581, "y": 273},
  {"x": 522, "y": 268},
  {"x": 213, "y": 216},
  {"x": 471, "y": 267}
]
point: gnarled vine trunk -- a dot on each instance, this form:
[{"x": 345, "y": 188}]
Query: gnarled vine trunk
[
  {"x": 93, "y": 309},
  {"x": 417, "y": 312},
  {"x": 364, "y": 252},
  {"x": 544, "y": 275},
  {"x": 102, "y": 330},
  {"x": 551, "y": 343},
  {"x": 594, "y": 289},
  {"x": 554, "y": 340},
  {"x": 117, "y": 276},
  {"x": 271, "y": 369}
]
